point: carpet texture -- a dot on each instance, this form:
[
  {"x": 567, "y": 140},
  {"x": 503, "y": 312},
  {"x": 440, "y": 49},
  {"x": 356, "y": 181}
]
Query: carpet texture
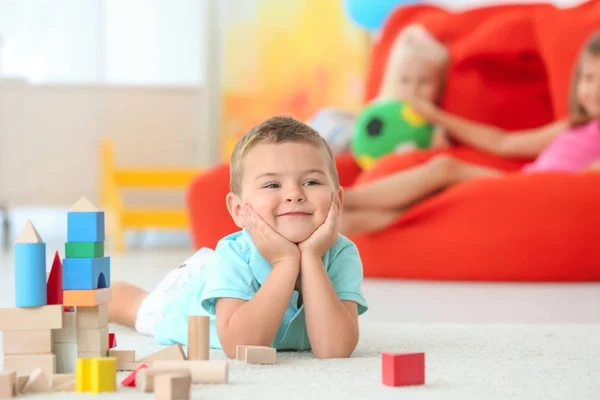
[{"x": 462, "y": 362}]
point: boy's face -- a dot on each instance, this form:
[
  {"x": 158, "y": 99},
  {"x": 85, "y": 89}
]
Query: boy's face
[
  {"x": 288, "y": 185},
  {"x": 416, "y": 77}
]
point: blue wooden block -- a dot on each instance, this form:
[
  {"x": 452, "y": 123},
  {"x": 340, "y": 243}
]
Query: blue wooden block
[
  {"x": 86, "y": 273},
  {"x": 85, "y": 226},
  {"x": 30, "y": 274}
]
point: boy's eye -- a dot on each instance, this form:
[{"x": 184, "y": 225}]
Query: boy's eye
[
  {"x": 311, "y": 182},
  {"x": 271, "y": 185}
]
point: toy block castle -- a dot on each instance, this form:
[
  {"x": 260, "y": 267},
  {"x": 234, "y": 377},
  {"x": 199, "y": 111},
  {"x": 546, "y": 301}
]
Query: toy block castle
[
  {"x": 59, "y": 321},
  {"x": 27, "y": 328},
  {"x": 86, "y": 287}
]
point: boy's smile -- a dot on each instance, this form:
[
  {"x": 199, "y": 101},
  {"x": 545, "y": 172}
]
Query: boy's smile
[{"x": 289, "y": 186}]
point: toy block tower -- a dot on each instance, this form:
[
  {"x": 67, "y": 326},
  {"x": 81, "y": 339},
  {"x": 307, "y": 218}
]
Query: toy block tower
[
  {"x": 28, "y": 327},
  {"x": 86, "y": 286}
]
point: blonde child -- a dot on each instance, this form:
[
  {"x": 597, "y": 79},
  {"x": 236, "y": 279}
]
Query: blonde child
[
  {"x": 288, "y": 279},
  {"x": 569, "y": 146}
]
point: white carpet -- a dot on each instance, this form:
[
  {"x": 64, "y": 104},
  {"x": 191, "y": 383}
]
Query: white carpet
[{"x": 462, "y": 362}]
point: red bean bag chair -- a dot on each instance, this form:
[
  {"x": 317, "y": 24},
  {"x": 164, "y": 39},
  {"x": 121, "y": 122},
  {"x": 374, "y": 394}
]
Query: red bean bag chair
[{"x": 511, "y": 66}]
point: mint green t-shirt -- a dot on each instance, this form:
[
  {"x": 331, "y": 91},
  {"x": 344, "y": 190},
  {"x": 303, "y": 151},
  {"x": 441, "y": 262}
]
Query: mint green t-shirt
[{"x": 238, "y": 270}]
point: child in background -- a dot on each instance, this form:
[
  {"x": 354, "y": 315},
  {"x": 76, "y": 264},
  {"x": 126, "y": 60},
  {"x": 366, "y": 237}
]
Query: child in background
[
  {"x": 569, "y": 146},
  {"x": 288, "y": 279},
  {"x": 416, "y": 68}
]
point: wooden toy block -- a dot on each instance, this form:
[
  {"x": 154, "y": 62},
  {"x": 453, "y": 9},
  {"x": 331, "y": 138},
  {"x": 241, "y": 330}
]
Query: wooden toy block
[
  {"x": 68, "y": 333},
  {"x": 104, "y": 375},
  {"x": 172, "y": 386},
  {"x": 122, "y": 357},
  {"x": 84, "y": 249},
  {"x": 83, "y": 367},
  {"x": 91, "y": 354},
  {"x": 198, "y": 337},
  {"x": 92, "y": 317},
  {"x": 112, "y": 340},
  {"x": 68, "y": 386},
  {"x": 30, "y": 319},
  {"x": 95, "y": 339},
  {"x": 27, "y": 342},
  {"x": 240, "y": 352},
  {"x": 66, "y": 357},
  {"x": 403, "y": 369},
  {"x": 202, "y": 371},
  {"x": 85, "y": 223},
  {"x": 24, "y": 364},
  {"x": 54, "y": 290},
  {"x": 8, "y": 381},
  {"x": 260, "y": 355},
  {"x": 173, "y": 352},
  {"x": 145, "y": 377},
  {"x": 86, "y": 298},
  {"x": 86, "y": 273},
  {"x": 96, "y": 375},
  {"x": 37, "y": 382},
  {"x": 128, "y": 366},
  {"x": 30, "y": 268},
  {"x": 21, "y": 381},
  {"x": 130, "y": 380},
  {"x": 60, "y": 379}
]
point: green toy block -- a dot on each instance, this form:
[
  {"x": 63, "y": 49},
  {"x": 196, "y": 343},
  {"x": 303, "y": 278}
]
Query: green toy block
[{"x": 84, "y": 249}]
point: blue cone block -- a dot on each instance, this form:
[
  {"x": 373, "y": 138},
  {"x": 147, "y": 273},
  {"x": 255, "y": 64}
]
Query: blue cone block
[
  {"x": 85, "y": 226},
  {"x": 30, "y": 274},
  {"x": 86, "y": 273}
]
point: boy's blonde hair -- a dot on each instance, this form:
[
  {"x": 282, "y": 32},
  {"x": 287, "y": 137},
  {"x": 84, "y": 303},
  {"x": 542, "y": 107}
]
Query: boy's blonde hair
[
  {"x": 276, "y": 130},
  {"x": 577, "y": 114},
  {"x": 413, "y": 41}
]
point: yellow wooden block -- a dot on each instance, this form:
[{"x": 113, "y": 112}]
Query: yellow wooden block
[
  {"x": 96, "y": 375},
  {"x": 104, "y": 375},
  {"x": 82, "y": 374}
]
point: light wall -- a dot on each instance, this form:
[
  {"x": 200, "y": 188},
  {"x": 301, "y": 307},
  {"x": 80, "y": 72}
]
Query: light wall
[{"x": 50, "y": 136}]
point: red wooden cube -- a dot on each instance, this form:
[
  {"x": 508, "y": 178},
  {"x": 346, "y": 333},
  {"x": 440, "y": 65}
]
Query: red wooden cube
[{"x": 403, "y": 369}]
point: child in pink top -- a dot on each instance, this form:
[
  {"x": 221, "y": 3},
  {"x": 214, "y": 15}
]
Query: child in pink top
[
  {"x": 569, "y": 146},
  {"x": 574, "y": 150}
]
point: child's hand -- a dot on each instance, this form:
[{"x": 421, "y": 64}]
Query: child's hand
[
  {"x": 326, "y": 235},
  {"x": 271, "y": 245},
  {"x": 425, "y": 108},
  {"x": 440, "y": 139}
]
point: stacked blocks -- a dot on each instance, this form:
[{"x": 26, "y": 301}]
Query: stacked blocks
[
  {"x": 86, "y": 286},
  {"x": 85, "y": 268},
  {"x": 27, "y": 342},
  {"x": 27, "y": 328},
  {"x": 30, "y": 268}
]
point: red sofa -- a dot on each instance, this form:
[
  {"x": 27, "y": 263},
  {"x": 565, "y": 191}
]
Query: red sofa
[{"x": 511, "y": 66}]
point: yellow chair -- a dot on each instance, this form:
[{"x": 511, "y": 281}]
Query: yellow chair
[{"x": 115, "y": 179}]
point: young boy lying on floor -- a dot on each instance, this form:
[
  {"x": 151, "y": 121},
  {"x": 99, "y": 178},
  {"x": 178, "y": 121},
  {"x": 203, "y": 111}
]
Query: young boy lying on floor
[{"x": 288, "y": 279}]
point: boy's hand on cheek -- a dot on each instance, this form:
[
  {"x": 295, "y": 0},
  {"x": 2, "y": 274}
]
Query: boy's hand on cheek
[
  {"x": 272, "y": 246},
  {"x": 326, "y": 235}
]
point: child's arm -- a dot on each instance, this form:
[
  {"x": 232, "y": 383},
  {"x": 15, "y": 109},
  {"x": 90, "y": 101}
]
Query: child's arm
[
  {"x": 332, "y": 324},
  {"x": 255, "y": 322},
  {"x": 526, "y": 143}
]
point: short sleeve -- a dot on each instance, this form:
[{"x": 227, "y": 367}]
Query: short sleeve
[
  {"x": 346, "y": 273},
  {"x": 230, "y": 276}
]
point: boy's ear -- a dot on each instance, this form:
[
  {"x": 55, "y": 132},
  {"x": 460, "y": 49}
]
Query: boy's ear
[
  {"x": 234, "y": 206},
  {"x": 340, "y": 195}
]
